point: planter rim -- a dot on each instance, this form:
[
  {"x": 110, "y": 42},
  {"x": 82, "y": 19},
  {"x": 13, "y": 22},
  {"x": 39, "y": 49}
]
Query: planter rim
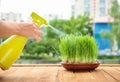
[{"x": 86, "y": 66}]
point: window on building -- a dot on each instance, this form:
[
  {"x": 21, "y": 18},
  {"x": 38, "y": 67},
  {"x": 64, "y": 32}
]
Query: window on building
[
  {"x": 102, "y": 7},
  {"x": 73, "y": 13},
  {"x": 87, "y": 10},
  {"x": 102, "y": 3},
  {"x": 102, "y": 11},
  {"x": 86, "y": 6},
  {"x": 73, "y": 8},
  {"x": 87, "y": 1}
]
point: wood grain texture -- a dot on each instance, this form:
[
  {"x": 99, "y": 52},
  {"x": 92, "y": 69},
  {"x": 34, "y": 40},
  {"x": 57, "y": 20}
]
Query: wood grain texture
[{"x": 56, "y": 73}]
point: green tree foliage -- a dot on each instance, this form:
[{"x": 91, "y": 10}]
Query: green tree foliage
[
  {"x": 79, "y": 25},
  {"x": 115, "y": 14},
  {"x": 44, "y": 46}
]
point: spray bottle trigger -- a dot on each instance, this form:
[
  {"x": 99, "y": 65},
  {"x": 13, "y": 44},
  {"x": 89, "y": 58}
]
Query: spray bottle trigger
[{"x": 38, "y": 19}]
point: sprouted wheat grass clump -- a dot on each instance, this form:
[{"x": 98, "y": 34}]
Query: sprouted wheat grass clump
[{"x": 78, "y": 49}]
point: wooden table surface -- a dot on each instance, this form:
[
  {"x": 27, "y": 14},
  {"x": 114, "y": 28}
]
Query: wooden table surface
[{"x": 56, "y": 73}]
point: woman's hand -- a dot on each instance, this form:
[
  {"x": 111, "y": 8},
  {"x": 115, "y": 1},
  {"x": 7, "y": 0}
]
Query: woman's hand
[{"x": 8, "y": 28}]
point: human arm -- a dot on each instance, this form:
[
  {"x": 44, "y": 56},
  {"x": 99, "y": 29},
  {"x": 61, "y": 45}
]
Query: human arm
[{"x": 8, "y": 28}]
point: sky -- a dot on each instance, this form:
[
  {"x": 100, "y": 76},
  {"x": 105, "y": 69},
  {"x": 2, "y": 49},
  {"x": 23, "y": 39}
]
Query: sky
[
  {"x": 119, "y": 1},
  {"x": 42, "y": 7}
]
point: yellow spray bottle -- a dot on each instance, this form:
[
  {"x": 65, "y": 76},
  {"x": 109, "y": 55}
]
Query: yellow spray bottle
[{"x": 11, "y": 49}]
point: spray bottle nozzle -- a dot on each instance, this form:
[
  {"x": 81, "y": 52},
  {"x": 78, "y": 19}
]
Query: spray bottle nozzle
[{"x": 38, "y": 19}]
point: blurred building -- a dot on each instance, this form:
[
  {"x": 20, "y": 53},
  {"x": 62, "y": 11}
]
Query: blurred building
[
  {"x": 10, "y": 16},
  {"x": 51, "y": 16},
  {"x": 95, "y": 8},
  {"x": 48, "y": 17}
]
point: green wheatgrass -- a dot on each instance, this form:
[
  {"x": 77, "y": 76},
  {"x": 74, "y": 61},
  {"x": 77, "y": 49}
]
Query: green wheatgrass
[{"x": 78, "y": 49}]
